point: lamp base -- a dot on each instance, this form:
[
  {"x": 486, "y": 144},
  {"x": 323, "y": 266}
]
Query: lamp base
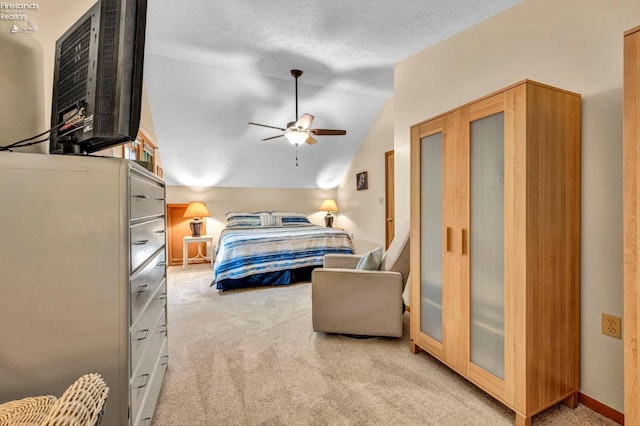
[
  {"x": 196, "y": 227},
  {"x": 328, "y": 221}
]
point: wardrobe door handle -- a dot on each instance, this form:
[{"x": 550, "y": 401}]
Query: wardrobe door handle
[
  {"x": 141, "y": 196},
  {"x": 463, "y": 241},
  {"x": 448, "y": 239},
  {"x": 140, "y": 243},
  {"x": 142, "y": 288}
]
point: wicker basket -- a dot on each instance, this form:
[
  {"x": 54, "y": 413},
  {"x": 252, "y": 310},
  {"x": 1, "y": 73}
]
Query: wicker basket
[
  {"x": 27, "y": 411},
  {"x": 82, "y": 404}
]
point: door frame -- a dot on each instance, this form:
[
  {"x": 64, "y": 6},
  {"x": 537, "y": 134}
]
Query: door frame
[{"x": 389, "y": 198}]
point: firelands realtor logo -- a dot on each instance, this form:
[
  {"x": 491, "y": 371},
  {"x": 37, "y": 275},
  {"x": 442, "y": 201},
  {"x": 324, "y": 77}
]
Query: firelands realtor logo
[{"x": 10, "y": 11}]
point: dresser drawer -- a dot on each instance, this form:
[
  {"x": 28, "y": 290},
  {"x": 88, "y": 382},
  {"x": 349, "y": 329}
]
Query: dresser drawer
[
  {"x": 143, "y": 331},
  {"x": 144, "y": 285},
  {"x": 147, "y": 407},
  {"x": 146, "y": 239},
  {"x": 147, "y": 198},
  {"x": 142, "y": 383}
]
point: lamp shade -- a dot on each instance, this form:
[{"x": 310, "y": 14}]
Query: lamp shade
[
  {"x": 196, "y": 209},
  {"x": 329, "y": 205}
]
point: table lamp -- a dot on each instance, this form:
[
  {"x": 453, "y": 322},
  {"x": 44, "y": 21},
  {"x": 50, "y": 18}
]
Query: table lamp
[
  {"x": 329, "y": 206},
  {"x": 196, "y": 210}
]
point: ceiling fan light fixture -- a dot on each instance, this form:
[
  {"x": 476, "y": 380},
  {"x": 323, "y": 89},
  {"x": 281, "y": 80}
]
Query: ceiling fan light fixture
[{"x": 296, "y": 137}]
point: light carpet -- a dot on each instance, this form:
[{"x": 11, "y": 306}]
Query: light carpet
[{"x": 250, "y": 357}]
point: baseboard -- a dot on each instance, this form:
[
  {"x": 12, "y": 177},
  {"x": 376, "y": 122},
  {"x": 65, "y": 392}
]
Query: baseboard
[{"x": 600, "y": 408}]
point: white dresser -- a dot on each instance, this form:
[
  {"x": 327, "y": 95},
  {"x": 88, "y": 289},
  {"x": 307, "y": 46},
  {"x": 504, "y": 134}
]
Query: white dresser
[{"x": 82, "y": 280}]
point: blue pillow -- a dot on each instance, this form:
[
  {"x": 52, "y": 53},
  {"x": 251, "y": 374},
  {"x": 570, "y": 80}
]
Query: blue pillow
[
  {"x": 371, "y": 260},
  {"x": 243, "y": 220},
  {"x": 292, "y": 218}
]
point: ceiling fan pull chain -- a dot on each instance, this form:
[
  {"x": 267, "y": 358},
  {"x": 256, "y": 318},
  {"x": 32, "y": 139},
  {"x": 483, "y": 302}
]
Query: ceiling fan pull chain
[{"x": 296, "y": 155}]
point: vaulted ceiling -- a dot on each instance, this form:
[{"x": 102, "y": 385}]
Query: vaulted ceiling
[{"x": 213, "y": 66}]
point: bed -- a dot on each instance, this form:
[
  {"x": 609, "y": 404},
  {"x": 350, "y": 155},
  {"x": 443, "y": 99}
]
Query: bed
[{"x": 272, "y": 248}]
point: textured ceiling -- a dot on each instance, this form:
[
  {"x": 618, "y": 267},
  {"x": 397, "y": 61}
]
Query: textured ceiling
[{"x": 213, "y": 66}]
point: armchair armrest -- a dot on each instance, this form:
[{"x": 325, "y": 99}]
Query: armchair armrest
[{"x": 345, "y": 261}]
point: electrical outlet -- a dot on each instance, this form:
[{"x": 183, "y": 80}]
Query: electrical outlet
[{"x": 612, "y": 326}]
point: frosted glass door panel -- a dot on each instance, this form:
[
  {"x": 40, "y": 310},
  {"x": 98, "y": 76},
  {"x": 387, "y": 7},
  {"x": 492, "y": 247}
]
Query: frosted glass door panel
[
  {"x": 487, "y": 244},
  {"x": 431, "y": 236}
]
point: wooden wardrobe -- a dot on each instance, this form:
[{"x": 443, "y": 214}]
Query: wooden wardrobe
[
  {"x": 495, "y": 244},
  {"x": 631, "y": 226}
]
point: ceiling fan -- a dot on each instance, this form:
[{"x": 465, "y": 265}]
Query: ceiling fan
[{"x": 298, "y": 132}]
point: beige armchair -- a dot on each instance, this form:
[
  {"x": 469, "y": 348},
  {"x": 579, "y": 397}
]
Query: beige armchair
[{"x": 346, "y": 300}]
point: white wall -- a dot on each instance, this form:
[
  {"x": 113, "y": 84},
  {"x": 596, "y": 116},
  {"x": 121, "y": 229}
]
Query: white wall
[
  {"x": 222, "y": 200},
  {"x": 575, "y": 45},
  {"x": 362, "y": 213}
]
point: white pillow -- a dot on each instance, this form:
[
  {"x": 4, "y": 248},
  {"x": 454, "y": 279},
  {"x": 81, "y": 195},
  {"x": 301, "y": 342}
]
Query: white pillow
[{"x": 268, "y": 219}]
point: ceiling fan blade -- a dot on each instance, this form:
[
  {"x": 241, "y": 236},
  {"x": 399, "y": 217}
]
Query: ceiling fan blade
[
  {"x": 311, "y": 141},
  {"x": 272, "y": 137},
  {"x": 327, "y": 132},
  {"x": 271, "y": 127},
  {"x": 305, "y": 121}
]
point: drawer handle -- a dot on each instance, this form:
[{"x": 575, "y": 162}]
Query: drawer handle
[
  {"x": 161, "y": 231},
  {"x": 146, "y": 421},
  {"x": 140, "y": 243},
  {"x": 142, "y": 288},
  {"x": 162, "y": 296},
  {"x": 162, "y": 329},
  {"x": 145, "y": 334},
  {"x": 145, "y": 381},
  {"x": 165, "y": 360},
  {"x": 163, "y": 263},
  {"x": 160, "y": 199},
  {"x": 140, "y": 196}
]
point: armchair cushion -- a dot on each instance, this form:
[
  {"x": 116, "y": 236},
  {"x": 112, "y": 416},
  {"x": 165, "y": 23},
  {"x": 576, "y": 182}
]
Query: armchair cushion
[{"x": 371, "y": 260}]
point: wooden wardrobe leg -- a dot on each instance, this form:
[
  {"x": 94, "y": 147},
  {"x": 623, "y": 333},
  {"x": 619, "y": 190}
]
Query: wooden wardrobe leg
[
  {"x": 572, "y": 400},
  {"x": 523, "y": 420}
]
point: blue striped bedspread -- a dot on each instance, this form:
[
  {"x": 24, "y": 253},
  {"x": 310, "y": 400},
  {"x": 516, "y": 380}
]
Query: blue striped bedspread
[{"x": 248, "y": 251}]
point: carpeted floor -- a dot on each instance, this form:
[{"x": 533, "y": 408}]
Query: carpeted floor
[{"x": 250, "y": 357}]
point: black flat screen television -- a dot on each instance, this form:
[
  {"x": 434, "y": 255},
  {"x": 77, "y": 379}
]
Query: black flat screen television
[{"x": 97, "y": 82}]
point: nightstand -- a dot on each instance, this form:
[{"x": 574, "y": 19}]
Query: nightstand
[{"x": 185, "y": 249}]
